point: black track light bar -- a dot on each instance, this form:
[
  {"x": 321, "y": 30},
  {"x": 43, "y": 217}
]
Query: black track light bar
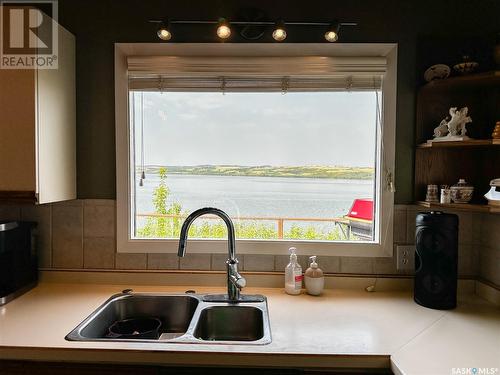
[{"x": 250, "y": 23}]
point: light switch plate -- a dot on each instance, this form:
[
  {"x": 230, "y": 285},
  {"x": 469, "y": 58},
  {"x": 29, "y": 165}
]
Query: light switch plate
[{"x": 405, "y": 257}]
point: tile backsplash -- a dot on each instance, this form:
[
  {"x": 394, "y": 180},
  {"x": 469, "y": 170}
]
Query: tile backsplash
[
  {"x": 489, "y": 256},
  {"x": 81, "y": 234}
]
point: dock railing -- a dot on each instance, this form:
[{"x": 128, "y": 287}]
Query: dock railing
[{"x": 280, "y": 221}]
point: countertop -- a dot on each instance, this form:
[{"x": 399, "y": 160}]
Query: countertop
[{"x": 342, "y": 328}]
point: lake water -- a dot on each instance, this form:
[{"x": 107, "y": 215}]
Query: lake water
[{"x": 259, "y": 196}]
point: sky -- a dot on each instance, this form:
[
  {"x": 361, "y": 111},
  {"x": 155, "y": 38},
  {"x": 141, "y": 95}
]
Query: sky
[{"x": 294, "y": 129}]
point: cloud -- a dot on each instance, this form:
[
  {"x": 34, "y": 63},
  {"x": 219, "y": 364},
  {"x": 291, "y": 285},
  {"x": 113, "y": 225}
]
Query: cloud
[
  {"x": 251, "y": 129},
  {"x": 188, "y": 116}
]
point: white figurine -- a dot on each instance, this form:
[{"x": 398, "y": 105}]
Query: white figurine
[
  {"x": 454, "y": 129},
  {"x": 456, "y": 126},
  {"x": 442, "y": 129}
]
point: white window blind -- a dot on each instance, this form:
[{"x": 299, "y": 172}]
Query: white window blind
[{"x": 244, "y": 74}]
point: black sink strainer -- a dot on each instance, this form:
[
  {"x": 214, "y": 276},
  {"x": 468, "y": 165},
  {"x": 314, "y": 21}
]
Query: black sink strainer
[{"x": 135, "y": 328}]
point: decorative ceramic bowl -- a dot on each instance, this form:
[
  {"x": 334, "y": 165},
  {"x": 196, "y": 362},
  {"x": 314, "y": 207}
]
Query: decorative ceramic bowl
[
  {"x": 466, "y": 67},
  {"x": 439, "y": 71},
  {"x": 461, "y": 192}
]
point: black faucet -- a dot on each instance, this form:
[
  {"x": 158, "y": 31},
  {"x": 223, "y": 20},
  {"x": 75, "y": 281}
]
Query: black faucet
[{"x": 235, "y": 282}]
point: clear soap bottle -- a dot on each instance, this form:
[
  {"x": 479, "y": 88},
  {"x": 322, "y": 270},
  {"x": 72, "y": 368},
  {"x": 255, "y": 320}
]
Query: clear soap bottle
[{"x": 293, "y": 274}]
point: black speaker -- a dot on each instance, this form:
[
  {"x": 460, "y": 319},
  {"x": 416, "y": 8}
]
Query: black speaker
[{"x": 436, "y": 260}]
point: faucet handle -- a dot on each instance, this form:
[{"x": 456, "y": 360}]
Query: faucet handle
[
  {"x": 233, "y": 275},
  {"x": 239, "y": 281}
]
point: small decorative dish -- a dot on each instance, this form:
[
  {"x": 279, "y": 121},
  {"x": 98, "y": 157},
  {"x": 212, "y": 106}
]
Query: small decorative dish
[
  {"x": 466, "y": 66},
  {"x": 438, "y": 71}
]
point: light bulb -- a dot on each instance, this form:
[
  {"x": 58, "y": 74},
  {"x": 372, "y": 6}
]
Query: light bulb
[
  {"x": 331, "y": 36},
  {"x": 163, "y": 33},
  {"x": 279, "y": 34},
  {"x": 223, "y": 30}
]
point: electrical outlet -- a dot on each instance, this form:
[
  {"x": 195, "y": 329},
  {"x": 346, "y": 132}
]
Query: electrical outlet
[{"x": 405, "y": 257}]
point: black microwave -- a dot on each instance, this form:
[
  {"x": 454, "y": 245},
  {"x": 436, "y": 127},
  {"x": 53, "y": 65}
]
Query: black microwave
[{"x": 18, "y": 259}]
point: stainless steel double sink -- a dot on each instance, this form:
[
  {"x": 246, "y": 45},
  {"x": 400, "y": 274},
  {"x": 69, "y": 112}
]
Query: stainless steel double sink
[{"x": 186, "y": 319}]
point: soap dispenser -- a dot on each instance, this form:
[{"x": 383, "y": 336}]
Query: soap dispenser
[
  {"x": 314, "y": 278},
  {"x": 293, "y": 274}
]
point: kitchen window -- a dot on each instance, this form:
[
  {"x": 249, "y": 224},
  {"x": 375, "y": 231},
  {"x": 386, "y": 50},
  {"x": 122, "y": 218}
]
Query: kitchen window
[{"x": 293, "y": 148}]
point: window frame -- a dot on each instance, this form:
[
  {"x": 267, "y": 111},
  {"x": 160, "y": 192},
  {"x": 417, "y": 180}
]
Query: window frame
[{"x": 385, "y": 157}]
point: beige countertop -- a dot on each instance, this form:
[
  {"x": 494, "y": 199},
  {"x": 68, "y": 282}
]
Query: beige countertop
[{"x": 342, "y": 328}]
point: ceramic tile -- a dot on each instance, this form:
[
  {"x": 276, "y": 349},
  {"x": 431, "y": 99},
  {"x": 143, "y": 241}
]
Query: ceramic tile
[
  {"x": 400, "y": 225},
  {"x": 385, "y": 265},
  {"x": 258, "y": 262},
  {"x": 329, "y": 264},
  {"x": 362, "y": 265},
  {"x": 67, "y": 238},
  {"x": 219, "y": 262},
  {"x": 98, "y": 220},
  {"x": 465, "y": 263},
  {"x": 489, "y": 261},
  {"x": 402, "y": 207},
  {"x": 72, "y": 203},
  {"x": 42, "y": 215},
  {"x": 68, "y": 254},
  {"x": 130, "y": 261},
  {"x": 490, "y": 231},
  {"x": 477, "y": 219},
  {"x": 163, "y": 261},
  {"x": 195, "y": 262},
  {"x": 475, "y": 259},
  {"x": 411, "y": 214},
  {"x": 99, "y": 252},
  {"x": 464, "y": 228},
  {"x": 99, "y": 202}
]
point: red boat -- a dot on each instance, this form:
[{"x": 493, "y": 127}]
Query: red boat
[{"x": 359, "y": 220}]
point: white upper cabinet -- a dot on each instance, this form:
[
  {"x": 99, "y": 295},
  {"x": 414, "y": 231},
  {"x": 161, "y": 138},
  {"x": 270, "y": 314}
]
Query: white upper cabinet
[{"x": 38, "y": 130}]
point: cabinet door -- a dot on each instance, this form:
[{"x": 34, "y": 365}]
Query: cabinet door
[
  {"x": 17, "y": 131},
  {"x": 56, "y": 126}
]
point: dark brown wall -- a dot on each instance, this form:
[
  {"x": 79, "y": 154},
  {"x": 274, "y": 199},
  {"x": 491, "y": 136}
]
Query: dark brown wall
[{"x": 98, "y": 24}]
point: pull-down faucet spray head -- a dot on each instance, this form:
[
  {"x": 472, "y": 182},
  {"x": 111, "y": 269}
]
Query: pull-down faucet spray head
[{"x": 235, "y": 281}]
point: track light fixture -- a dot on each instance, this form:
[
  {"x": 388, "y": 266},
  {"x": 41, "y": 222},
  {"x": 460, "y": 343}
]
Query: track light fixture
[
  {"x": 332, "y": 34},
  {"x": 164, "y": 32},
  {"x": 279, "y": 32},
  {"x": 279, "y": 29},
  {"x": 223, "y": 29}
]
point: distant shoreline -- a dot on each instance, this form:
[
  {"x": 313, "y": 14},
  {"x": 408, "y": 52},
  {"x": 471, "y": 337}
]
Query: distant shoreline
[{"x": 346, "y": 173}]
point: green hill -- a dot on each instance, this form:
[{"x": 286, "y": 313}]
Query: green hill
[{"x": 337, "y": 172}]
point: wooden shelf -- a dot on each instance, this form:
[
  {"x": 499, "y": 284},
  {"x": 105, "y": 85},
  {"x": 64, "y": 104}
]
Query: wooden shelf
[
  {"x": 470, "y": 207},
  {"x": 475, "y": 79},
  {"x": 463, "y": 144},
  {"x": 476, "y": 160}
]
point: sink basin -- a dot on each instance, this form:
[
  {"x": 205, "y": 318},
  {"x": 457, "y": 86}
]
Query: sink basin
[
  {"x": 174, "y": 311},
  {"x": 185, "y": 318},
  {"x": 230, "y": 323}
]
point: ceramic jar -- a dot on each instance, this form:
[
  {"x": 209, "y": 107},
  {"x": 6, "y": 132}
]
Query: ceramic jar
[
  {"x": 432, "y": 194},
  {"x": 461, "y": 192},
  {"x": 445, "y": 197}
]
